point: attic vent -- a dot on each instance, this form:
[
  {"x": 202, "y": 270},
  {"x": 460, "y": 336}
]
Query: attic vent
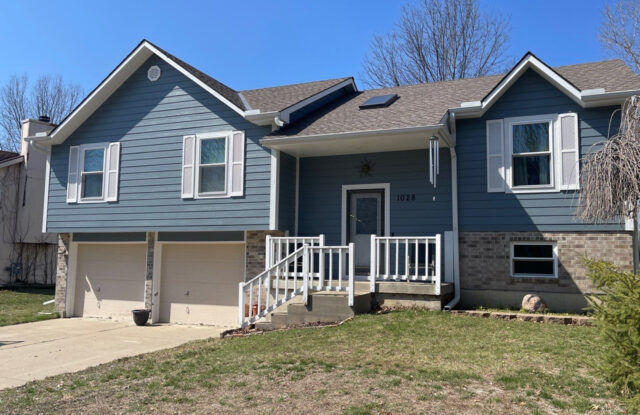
[
  {"x": 379, "y": 101},
  {"x": 153, "y": 73}
]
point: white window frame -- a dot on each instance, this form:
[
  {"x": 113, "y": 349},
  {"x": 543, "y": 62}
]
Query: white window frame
[
  {"x": 513, "y": 258},
  {"x": 509, "y": 123},
  {"x": 81, "y": 173},
  {"x": 227, "y": 165}
]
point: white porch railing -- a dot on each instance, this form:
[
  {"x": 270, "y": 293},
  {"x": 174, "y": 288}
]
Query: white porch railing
[
  {"x": 279, "y": 247},
  {"x": 308, "y": 268},
  {"x": 406, "y": 258}
]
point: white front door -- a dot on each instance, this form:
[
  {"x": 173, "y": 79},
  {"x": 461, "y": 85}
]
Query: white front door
[{"x": 365, "y": 218}]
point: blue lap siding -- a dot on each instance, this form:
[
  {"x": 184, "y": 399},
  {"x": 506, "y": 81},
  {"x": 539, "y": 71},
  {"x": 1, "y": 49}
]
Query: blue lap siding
[
  {"x": 321, "y": 180},
  {"x": 149, "y": 119},
  {"x": 482, "y": 211}
]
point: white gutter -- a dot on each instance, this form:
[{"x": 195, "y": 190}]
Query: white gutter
[{"x": 454, "y": 219}]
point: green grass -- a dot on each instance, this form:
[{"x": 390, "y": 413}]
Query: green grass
[
  {"x": 23, "y": 305},
  {"x": 400, "y": 362}
]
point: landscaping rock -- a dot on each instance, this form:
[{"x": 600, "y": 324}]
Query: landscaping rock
[{"x": 533, "y": 304}]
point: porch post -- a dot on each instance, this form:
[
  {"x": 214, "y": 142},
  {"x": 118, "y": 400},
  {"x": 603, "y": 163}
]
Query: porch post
[
  {"x": 438, "y": 265},
  {"x": 373, "y": 268}
]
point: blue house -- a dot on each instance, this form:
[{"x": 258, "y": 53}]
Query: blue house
[{"x": 174, "y": 192}]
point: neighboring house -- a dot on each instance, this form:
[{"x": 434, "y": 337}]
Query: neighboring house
[
  {"x": 169, "y": 188},
  {"x": 27, "y": 256}
]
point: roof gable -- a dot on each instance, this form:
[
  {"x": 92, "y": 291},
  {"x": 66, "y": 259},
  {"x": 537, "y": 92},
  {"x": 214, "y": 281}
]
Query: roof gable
[{"x": 123, "y": 71}]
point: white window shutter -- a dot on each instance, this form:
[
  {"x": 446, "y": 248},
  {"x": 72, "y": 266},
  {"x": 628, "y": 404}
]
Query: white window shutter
[
  {"x": 569, "y": 152},
  {"x": 113, "y": 171},
  {"x": 72, "y": 176},
  {"x": 188, "y": 166},
  {"x": 237, "y": 164},
  {"x": 495, "y": 156}
]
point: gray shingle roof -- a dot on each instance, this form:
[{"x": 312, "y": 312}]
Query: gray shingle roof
[
  {"x": 265, "y": 99},
  {"x": 426, "y": 104},
  {"x": 8, "y": 155},
  {"x": 281, "y": 97}
]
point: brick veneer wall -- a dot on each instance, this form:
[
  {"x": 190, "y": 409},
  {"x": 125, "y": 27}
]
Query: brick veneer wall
[
  {"x": 62, "y": 271},
  {"x": 485, "y": 259},
  {"x": 255, "y": 251}
]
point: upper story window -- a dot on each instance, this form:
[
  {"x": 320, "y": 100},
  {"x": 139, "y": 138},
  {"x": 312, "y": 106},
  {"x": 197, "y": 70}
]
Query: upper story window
[
  {"x": 533, "y": 154},
  {"x": 93, "y": 174},
  {"x": 213, "y": 165}
]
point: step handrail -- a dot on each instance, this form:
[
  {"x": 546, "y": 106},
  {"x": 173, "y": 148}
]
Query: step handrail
[{"x": 266, "y": 274}]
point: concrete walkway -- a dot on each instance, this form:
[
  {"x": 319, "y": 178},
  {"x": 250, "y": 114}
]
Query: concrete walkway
[{"x": 36, "y": 350}]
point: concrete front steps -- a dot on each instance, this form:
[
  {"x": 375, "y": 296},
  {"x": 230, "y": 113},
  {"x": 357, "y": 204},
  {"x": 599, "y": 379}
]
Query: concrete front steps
[
  {"x": 332, "y": 306},
  {"x": 322, "y": 307}
]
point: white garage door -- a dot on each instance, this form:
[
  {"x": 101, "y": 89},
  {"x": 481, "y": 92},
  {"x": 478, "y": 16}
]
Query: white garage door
[
  {"x": 109, "y": 280},
  {"x": 199, "y": 283}
]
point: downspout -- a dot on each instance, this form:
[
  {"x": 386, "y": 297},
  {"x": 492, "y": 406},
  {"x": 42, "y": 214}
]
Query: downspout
[{"x": 454, "y": 219}]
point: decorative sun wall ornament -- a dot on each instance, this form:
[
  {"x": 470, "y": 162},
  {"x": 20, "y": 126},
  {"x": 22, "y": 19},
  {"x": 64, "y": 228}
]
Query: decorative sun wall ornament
[{"x": 366, "y": 167}]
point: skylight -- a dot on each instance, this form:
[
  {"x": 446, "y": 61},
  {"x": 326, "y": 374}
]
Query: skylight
[{"x": 379, "y": 101}]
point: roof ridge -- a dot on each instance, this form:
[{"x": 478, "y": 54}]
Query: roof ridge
[{"x": 296, "y": 84}]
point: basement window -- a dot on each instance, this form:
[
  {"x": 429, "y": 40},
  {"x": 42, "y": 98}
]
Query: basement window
[{"x": 534, "y": 260}]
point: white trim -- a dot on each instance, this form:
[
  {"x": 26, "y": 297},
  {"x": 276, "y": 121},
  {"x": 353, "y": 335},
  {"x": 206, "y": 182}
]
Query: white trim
[
  {"x": 274, "y": 190},
  {"x": 477, "y": 109},
  {"x": 554, "y": 246},
  {"x": 387, "y": 206},
  {"x": 553, "y": 144},
  {"x": 45, "y": 204},
  {"x": 105, "y": 160},
  {"x": 365, "y": 133},
  {"x": 297, "y": 211},
  {"x": 285, "y": 114}
]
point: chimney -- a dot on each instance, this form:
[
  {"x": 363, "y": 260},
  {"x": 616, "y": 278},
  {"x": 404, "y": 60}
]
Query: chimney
[{"x": 30, "y": 128}]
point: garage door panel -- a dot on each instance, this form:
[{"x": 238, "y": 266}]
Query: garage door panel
[
  {"x": 110, "y": 280},
  {"x": 199, "y": 283}
]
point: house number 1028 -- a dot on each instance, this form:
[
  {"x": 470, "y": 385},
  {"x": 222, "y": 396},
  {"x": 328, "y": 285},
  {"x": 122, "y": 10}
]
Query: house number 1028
[{"x": 406, "y": 197}]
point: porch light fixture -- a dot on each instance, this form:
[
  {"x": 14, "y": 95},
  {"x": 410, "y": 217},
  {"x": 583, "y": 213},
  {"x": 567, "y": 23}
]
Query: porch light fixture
[{"x": 434, "y": 159}]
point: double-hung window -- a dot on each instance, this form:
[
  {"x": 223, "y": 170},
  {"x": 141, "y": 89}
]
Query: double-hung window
[
  {"x": 92, "y": 173},
  {"x": 531, "y": 155},
  {"x": 212, "y": 166},
  {"x": 534, "y": 260}
]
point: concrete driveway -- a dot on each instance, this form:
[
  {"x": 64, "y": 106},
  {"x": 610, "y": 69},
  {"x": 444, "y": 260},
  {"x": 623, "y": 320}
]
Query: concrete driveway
[{"x": 36, "y": 350}]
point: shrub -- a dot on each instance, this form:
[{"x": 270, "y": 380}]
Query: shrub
[{"x": 617, "y": 314}]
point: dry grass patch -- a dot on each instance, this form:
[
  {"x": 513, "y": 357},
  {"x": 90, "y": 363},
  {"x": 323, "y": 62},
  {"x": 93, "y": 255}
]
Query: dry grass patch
[{"x": 401, "y": 362}]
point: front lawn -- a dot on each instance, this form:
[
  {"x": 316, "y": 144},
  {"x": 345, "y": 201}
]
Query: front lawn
[
  {"x": 23, "y": 305},
  {"x": 402, "y": 362}
]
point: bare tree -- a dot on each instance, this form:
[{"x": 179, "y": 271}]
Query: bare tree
[
  {"x": 438, "y": 40},
  {"x": 49, "y": 96},
  {"x": 14, "y": 107},
  {"x": 610, "y": 179},
  {"x": 620, "y": 31}
]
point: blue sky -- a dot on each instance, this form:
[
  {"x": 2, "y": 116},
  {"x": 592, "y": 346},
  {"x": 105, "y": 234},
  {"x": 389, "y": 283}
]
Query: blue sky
[{"x": 252, "y": 44}]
